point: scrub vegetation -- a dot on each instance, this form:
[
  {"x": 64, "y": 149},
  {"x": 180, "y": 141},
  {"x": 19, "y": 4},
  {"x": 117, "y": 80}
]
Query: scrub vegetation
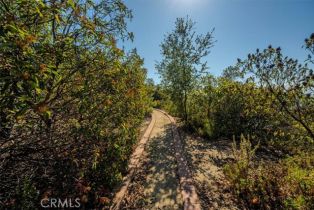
[
  {"x": 72, "y": 103},
  {"x": 263, "y": 104}
]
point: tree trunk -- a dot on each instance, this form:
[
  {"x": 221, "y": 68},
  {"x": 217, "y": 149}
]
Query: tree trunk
[{"x": 185, "y": 107}]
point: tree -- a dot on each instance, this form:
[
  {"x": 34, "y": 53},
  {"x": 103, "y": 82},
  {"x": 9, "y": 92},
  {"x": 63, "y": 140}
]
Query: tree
[
  {"x": 181, "y": 66},
  {"x": 291, "y": 83},
  {"x": 231, "y": 72}
]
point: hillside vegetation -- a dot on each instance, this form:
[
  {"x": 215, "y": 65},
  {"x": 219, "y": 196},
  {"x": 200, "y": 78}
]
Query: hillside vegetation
[
  {"x": 264, "y": 103},
  {"x": 71, "y": 101}
]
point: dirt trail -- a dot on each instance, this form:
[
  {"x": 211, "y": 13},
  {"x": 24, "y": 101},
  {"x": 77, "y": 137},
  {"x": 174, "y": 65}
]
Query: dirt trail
[
  {"x": 206, "y": 160},
  {"x": 170, "y": 177},
  {"x": 155, "y": 184}
]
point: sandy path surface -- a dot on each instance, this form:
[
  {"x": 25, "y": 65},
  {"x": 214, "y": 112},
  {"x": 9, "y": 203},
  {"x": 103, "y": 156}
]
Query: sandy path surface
[
  {"x": 206, "y": 160},
  {"x": 155, "y": 184}
]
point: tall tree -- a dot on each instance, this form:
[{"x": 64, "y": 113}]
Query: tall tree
[{"x": 181, "y": 66}]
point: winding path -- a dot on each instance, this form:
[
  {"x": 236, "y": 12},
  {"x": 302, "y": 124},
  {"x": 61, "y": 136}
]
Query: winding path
[{"x": 158, "y": 177}]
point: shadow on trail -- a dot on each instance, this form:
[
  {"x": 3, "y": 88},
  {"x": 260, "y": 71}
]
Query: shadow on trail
[
  {"x": 162, "y": 185},
  {"x": 216, "y": 151},
  {"x": 207, "y": 159},
  {"x": 155, "y": 185}
]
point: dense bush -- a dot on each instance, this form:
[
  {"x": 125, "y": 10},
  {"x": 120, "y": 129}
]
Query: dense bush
[
  {"x": 267, "y": 96},
  {"x": 161, "y": 99},
  {"x": 223, "y": 108},
  {"x": 71, "y": 101},
  {"x": 287, "y": 184}
]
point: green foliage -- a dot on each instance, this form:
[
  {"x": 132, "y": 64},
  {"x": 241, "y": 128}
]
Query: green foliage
[
  {"x": 300, "y": 181},
  {"x": 290, "y": 82},
  {"x": 181, "y": 66},
  {"x": 71, "y": 101},
  {"x": 269, "y": 97},
  {"x": 271, "y": 112},
  {"x": 268, "y": 185},
  {"x": 161, "y": 100},
  {"x": 223, "y": 108}
]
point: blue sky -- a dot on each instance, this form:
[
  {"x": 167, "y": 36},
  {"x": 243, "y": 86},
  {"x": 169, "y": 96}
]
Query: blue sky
[{"x": 241, "y": 26}]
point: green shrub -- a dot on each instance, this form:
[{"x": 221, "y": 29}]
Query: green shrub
[
  {"x": 287, "y": 184},
  {"x": 71, "y": 101},
  {"x": 223, "y": 108},
  {"x": 299, "y": 181}
]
